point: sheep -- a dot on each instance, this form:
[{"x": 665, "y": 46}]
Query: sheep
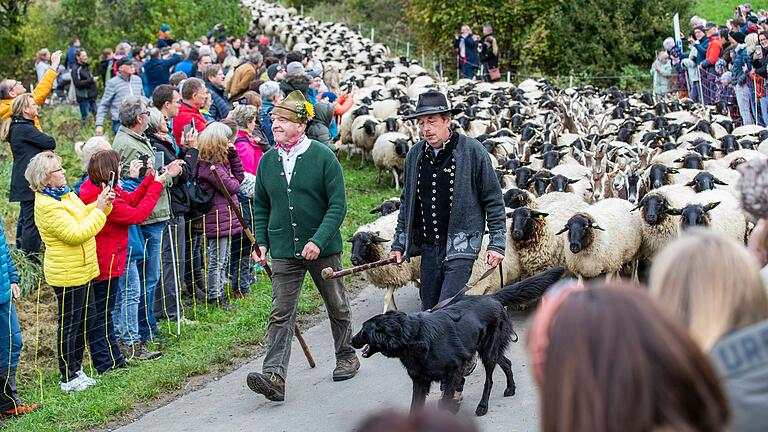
[
  {"x": 389, "y": 152},
  {"x": 602, "y": 238},
  {"x": 385, "y": 109},
  {"x": 533, "y": 233},
  {"x": 364, "y": 133},
  {"x": 716, "y": 209},
  {"x": 514, "y": 198},
  {"x": 368, "y": 245},
  {"x": 659, "y": 227},
  {"x": 578, "y": 179},
  {"x": 345, "y": 128},
  {"x": 510, "y": 269},
  {"x": 388, "y": 206}
]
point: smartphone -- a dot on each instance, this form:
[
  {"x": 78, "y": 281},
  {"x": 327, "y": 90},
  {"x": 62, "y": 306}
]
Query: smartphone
[
  {"x": 144, "y": 165},
  {"x": 189, "y": 127},
  {"x": 111, "y": 179},
  {"x": 159, "y": 161}
]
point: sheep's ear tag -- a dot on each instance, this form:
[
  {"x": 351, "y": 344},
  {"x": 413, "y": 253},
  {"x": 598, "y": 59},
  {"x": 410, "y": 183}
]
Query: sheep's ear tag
[{"x": 541, "y": 216}]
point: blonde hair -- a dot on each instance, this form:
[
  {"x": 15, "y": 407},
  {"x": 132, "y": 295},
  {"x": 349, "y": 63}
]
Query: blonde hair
[
  {"x": 39, "y": 169},
  {"x": 213, "y": 142},
  {"x": 711, "y": 283},
  {"x": 751, "y": 42},
  {"x": 85, "y": 150},
  {"x": 20, "y": 103}
]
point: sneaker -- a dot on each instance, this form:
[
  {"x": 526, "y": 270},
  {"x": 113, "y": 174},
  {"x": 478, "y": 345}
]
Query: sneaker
[
  {"x": 346, "y": 369},
  {"x": 140, "y": 352},
  {"x": 88, "y": 380},
  {"x": 272, "y": 386},
  {"x": 76, "y": 384}
]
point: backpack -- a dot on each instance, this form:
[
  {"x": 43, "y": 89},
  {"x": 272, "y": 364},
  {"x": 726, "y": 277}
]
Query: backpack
[{"x": 200, "y": 201}]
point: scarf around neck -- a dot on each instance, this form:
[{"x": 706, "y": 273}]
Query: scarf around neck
[
  {"x": 289, "y": 146},
  {"x": 56, "y": 193}
]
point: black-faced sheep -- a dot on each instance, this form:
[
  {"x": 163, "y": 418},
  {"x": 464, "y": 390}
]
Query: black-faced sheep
[{"x": 602, "y": 238}]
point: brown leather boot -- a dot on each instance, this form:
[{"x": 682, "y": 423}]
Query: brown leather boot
[
  {"x": 271, "y": 385},
  {"x": 346, "y": 369}
]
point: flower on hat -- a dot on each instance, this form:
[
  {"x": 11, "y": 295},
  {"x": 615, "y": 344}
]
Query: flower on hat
[{"x": 305, "y": 111}]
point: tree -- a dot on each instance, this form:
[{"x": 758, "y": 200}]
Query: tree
[{"x": 12, "y": 16}]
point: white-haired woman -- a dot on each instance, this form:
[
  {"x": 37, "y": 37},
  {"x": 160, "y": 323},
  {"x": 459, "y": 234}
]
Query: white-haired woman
[
  {"x": 84, "y": 150},
  {"x": 26, "y": 141},
  {"x": 271, "y": 95},
  {"x": 68, "y": 228},
  {"x": 220, "y": 222}
]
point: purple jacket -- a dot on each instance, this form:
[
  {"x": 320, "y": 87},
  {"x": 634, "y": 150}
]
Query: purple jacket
[{"x": 220, "y": 221}]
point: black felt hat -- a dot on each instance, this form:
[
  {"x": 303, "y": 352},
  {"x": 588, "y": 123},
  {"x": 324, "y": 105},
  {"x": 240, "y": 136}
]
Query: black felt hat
[{"x": 432, "y": 102}]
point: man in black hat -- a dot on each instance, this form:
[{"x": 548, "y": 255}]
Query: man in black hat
[{"x": 449, "y": 193}]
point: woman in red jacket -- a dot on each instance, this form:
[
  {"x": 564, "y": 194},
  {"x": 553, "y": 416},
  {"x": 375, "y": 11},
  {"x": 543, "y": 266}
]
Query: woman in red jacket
[{"x": 111, "y": 247}]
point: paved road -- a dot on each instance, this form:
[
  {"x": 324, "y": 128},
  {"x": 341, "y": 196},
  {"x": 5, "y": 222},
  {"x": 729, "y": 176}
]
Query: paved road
[{"x": 315, "y": 403}]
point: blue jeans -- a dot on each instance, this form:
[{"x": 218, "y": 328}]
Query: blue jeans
[
  {"x": 87, "y": 107},
  {"x": 240, "y": 269},
  {"x": 764, "y": 109},
  {"x": 217, "y": 252},
  {"x": 99, "y": 327},
  {"x": 441, "y": 279},
  {"x": 10, "y": 336},
  {"x": 126, "y": 311},
  {"x": 115, "y": 126},
  {"x": 744, "y": 100},
  {"x": 468, "y": 70},
  {"x": 149, "y": 274}
]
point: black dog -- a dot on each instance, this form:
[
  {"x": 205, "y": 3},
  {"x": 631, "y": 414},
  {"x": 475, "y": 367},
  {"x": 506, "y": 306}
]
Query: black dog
[{"x": 435, "y": 346}]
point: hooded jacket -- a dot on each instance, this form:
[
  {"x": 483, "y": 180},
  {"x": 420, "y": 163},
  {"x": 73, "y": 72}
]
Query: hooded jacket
[
  {"x": 741, "y": 357},
  {"x": 68, "y": 228},
  {"x": 85, "y": 85},
  {"x": 318, "y": 128}
]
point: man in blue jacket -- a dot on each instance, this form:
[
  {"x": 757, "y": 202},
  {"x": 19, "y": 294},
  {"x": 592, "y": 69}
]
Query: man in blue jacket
[
  {"x": 465, "y": 44},
  {"x": 157, "y": 70}
]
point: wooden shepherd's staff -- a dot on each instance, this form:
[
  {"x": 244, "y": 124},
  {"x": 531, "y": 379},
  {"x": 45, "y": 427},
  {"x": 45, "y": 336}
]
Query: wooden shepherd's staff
[
  {"x": 329, "y": 273},
  {"x": 255, "y": 244}
]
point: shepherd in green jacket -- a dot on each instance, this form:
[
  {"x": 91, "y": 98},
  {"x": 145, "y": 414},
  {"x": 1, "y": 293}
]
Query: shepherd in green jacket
[{"x": 299, "y": 204}]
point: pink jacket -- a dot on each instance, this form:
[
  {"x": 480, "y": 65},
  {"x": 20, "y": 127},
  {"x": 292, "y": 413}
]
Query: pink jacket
[{"x": 249, "y": 150}]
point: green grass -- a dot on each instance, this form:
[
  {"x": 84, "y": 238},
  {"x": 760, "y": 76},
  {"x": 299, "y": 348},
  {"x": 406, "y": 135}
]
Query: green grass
[
  {"x": 720, "y": 11},
  {"x": 211, "y": 346}
]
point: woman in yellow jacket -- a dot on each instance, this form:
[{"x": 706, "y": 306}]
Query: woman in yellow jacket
[{"x": 68, "y": 228}]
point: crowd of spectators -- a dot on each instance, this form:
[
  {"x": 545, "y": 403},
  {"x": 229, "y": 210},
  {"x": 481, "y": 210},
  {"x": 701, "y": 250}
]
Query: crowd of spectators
[
  {"x": 149, "y": 220},
  {"x": 719, "y": 64}
]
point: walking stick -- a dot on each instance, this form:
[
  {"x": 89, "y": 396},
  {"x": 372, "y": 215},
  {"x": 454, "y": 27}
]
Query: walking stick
[
  {"x": 329, "y": 273},
  {"x": 255, "y": 244}
]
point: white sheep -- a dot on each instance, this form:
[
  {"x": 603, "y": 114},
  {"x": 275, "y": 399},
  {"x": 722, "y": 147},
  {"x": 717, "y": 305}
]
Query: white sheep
[
  {"x": 389, "y": 152},
  {"x": 385, "y": 109},
  {"x": 534, "y": 232},
  {"x": 364, "y": 133},
  {"x": 718, "y": 210},
  {"x": 370, "y": 243},
  {"x": 602, "y": 238},
  {"x": 510, "y": 269},
  {"x": 659, "y": 227}
]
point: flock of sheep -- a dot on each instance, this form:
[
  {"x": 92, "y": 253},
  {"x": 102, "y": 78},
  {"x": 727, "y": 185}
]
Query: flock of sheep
[{"x": 596, "y": 181}]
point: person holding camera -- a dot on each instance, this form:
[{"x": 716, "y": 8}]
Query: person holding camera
[
  {"x": 174, "y": 236},
  {"x": 112, "y": 250},
  {"x": 68, "y": 228},
  {"x": 131, "y": 144},
  {"x": 466, "y": 45}
]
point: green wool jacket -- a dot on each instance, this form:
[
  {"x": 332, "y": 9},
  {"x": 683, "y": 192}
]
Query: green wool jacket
[{"x": 311, "y": 208}]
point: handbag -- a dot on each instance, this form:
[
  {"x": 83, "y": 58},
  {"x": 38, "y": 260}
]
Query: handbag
[
  {"x": 494, "y": 73},
  {"x": 200, "y": 201}
]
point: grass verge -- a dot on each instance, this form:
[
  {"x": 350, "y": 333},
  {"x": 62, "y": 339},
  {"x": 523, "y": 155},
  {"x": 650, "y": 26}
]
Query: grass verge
[{"x": 212, "y": 346}]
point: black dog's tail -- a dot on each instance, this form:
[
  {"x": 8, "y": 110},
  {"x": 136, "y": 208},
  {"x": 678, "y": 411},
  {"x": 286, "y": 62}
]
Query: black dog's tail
[{"x": 529, "y": 289}]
